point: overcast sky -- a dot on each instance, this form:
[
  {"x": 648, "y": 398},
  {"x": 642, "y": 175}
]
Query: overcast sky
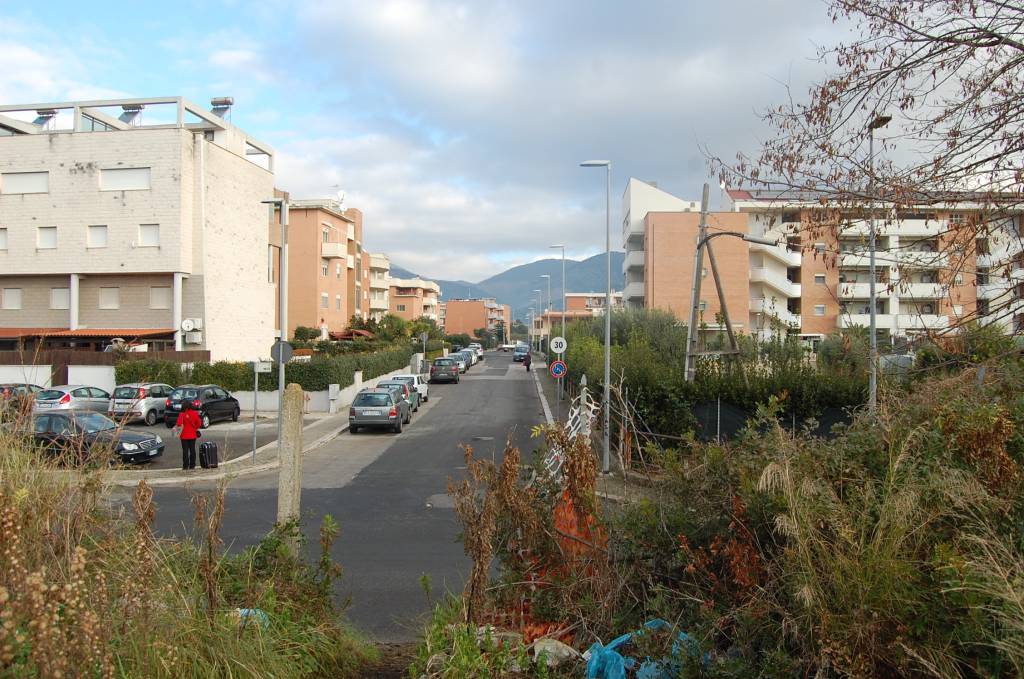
[{"x": 456, "y": 127}]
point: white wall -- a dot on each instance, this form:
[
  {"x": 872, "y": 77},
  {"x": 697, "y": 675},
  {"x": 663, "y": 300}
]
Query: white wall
[
  {"x": 33, "y": 374},
  {"x": 101, "y": 376},
  {"x": 319, "y": 401}
]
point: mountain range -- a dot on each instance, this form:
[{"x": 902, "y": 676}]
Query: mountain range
[{"x": 515, "y": 286}]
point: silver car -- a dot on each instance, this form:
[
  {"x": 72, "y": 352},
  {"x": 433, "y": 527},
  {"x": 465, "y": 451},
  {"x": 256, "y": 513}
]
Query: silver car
[
  {"x": 72, "y": 397},
  {"x": 139, "y": 401},
  {"x": 377, "y": 408}
]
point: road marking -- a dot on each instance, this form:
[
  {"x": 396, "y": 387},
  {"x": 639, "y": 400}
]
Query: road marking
[{"x": 543, "y": 399}]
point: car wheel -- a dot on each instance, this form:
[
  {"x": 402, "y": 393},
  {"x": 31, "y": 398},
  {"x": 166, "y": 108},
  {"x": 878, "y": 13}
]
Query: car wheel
[
  {"x": 234, "y": 415},
  {"x": 398, "y": 426},
  {"x": 206, "y": 421},
  {"x": 353, "y": 430},
  {"x": 151, "y": 418}
]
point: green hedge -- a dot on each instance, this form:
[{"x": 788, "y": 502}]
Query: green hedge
[{"x": 313, "y": 375}]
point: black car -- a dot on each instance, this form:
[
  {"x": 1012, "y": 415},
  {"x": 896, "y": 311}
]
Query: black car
[
  {"x": 81, "y": 433},
  {"x": 212, "y": 403}
]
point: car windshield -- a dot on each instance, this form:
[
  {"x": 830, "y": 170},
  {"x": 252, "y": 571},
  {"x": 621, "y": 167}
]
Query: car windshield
[
  {"x": 94, "y": 422},
  {"x": 372, "y": 400},
  {"x": 126, "y": 392},
  {"x": 443, "y": 361},
  {"x": 179, "y": 394},
  {"x": 407, "y": 380},
  {"x": 50, "y": 395}
]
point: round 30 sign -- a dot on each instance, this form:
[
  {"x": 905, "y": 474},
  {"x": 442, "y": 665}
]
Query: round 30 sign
[{"x": 558, "y": 369}]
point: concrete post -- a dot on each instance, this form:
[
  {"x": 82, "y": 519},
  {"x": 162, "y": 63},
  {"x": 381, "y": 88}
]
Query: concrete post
[
  {"x": 73, "y": 301},
  {"x": 289, "y": 478}
]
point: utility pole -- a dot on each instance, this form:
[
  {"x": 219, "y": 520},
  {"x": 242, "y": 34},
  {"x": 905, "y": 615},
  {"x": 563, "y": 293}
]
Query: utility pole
[
  {"x": 698, "y": 266},
  {"x": 876, "y": 123}
]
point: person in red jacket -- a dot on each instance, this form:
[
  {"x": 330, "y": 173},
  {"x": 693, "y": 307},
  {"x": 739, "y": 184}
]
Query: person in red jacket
[{"x": 187, "y": 428}]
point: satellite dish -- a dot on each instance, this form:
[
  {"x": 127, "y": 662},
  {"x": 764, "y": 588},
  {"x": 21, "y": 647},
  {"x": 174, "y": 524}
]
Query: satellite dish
[{"x": 187, "y": 325}]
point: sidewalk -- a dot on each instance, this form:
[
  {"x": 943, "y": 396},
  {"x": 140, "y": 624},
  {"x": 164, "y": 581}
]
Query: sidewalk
[{"x": 314, "y": 434}]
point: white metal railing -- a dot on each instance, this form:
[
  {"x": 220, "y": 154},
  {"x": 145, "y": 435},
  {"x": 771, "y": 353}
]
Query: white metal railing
[{"x": 776, "y": 280}]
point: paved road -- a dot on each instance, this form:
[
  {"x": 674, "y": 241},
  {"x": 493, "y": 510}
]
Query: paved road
[{"x": 388, "y": 493}]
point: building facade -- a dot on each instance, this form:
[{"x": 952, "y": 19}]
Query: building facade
[
  {"x": 138, "y": 219},
  {"x": 469, "y": 315},
  {"x": 578, "y": 305},
  {"x": 380, "y": 274},
  {"x": 414, "y": 298},
  {"x": 932, "y": 273},
  {"x": 327, "y": 277}
]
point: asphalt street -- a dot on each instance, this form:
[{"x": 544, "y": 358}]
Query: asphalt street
[{"x": 388, "y": 492}]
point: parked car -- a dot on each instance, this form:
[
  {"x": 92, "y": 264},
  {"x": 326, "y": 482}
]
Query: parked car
[
  {"x": 506, "y": 347},
  {"x": 409, "y": 392},
  {"x": 81, "y": 432},
  {"x": 72, "y": 397},
  {"x": 212, "y": 402},
  {"x": 479, "y": 349},
  {"x": 139, "y": 401},
  {"x": 377, "y": 408},
  {"x": 519, "y": 354},
  {"x": 470, "y": 357},
  {"x": 417, "y": 383},
  {"x": 18, "y": 389},
  {"x": 461, "y": 361},
  {"x": 445, "y": 370}
]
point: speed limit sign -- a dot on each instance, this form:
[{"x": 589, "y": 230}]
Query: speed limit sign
[{"x": 559, "y": 345}]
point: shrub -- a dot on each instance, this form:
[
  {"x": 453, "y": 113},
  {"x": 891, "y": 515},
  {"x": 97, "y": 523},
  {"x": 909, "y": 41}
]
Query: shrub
[{"x": 150, "y": 370}]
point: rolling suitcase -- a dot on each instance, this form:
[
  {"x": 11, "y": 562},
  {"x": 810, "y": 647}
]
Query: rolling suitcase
[{"x": 208, "y": 455}]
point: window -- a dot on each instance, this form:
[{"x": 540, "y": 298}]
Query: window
[
  {"x": 149, "y": 235},
  {"x": 958, "y": 310},
  {"x": 703, "y": 306},
  {"x": 324, "y": 299},
  {"x": 819, "y": 279},
  {"x": 819, "y": 309},
  {"x": 958, "y": 279},
  {"x": 982, "y": 276},
  {"x": 956, "y": 218},
  {"x": 270, "y": 263},
  {"x": 819, "y": 247},
  {"x": 46, "y": 237},
  {"x": 125, "y": 179},
  {"x": 337, "y": 302},
  {"x": 96, "y": 236},
  {"x": 983, "y": 307},
  {"x": 326, "y": 236},
  {"x": 11, "y": 299},
  {"x": 927, "y": 309},
  {"x": 981, "y": 246},
  {"x": 324, "y": 268},
  {"x": 159, "y": 297},
  {"x": 337, "y": 270},
  {"x": 400, "y": 307},
  {"x": 60, "y": 298},
  {"x": 110, "y": 298},
  {"x": 25, "y": 182},
  {"x": 3, "y": 239}
]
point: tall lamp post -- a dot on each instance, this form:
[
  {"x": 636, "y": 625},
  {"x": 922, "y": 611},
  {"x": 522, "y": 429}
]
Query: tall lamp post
[
  {"x": 877, "y": 122},
  {"x": 282, "y": 284},
  {"x": 607, "y": 164},
  {"x": 563, "y": 285},
  {"x": 547, "y": 307},
  {"x": 540, "y": 313}
]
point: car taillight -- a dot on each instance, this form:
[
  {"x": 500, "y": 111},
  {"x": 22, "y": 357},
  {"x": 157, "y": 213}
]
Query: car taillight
[
  {"x": 167, "y": 403},
  {"x": 351, "y": 412},
  {"x": 393, "y": 413},
  {"x": 196, "y": 404},
  {"x": 66, "y": 398}
]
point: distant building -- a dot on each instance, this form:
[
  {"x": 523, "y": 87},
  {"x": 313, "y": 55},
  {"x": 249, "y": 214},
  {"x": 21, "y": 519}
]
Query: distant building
[
  {"x": 380, "y": 274},
  {"x": 138, "y": 219},
  {"x": 469, "y": 315},
  {"x": 414, "y": 298},
  {"x": 578, "y": 305}
]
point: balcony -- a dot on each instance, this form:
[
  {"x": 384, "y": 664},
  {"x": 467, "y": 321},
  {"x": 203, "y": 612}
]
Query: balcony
[
  {"x": 777, "y": 252},
  {"x": 921, "y": 290},
  {"x": 994, "y": 290},
  {"x": 862, "y": 290},
  {"x": 634, "y": 290},
  {"x": 922, "y": 321},
  {"x": 634, "y": 260},
  {"x": 776, "y": 280},
  {"x": 882, "y": 321},
  {"x": 351, "y": 261},
  {"x": 919, "y": 260},
  {"x": 772, "y": 308},
  {"x": 905, "y": 227},
  {"x": 378, "y": 303},
  {"x": 333, "y": 250}
]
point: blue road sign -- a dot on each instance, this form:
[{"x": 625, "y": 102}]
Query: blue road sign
[{"x": 558, "y": 368}]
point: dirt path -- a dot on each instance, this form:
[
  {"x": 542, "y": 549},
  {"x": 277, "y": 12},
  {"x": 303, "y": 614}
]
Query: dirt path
[{"x": 394, "y": 662}]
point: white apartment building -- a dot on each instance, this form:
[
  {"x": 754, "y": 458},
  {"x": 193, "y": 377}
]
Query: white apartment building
[
  {"x": 640, "y": 198},
  {"x": 134, "y": 218},
  {"x": 380, "y": 274}
]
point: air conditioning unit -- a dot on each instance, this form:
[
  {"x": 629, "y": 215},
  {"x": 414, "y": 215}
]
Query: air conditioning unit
[
  {"x": 197, "y": 323},
  {"x": 194, "y": 337}
]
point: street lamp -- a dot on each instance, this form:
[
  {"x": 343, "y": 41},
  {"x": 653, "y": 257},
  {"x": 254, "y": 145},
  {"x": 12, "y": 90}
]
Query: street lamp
[
  {"x": 547, "y": 276},
  {"x": 540, "y": 306},
  {"x": 563, "y": 285},
  {"x": 878, "y": 122},
  {"x": 607, "y": 164},
  {"x": 282, "y": 284}
]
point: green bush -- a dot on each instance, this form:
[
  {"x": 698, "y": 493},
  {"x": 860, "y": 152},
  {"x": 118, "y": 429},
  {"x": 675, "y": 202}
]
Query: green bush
[{"x": 150, "y": 370}]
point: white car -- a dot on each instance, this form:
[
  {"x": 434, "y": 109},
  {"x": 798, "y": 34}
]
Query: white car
[
  {"x": 416, "y": 381},
  {"x": 478, "y": 349}
]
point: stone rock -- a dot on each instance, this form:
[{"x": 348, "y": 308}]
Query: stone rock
[{"x": 556, "y": 652}]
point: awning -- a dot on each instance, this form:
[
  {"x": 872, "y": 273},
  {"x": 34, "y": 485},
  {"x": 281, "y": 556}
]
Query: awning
[
  {"x": 104, "y": 333},
  {"x": 18, "y": 333}
]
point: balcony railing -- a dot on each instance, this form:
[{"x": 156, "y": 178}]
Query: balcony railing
[
  {"x": 778, "y": 252},
  {"x": 882, "y": 321},
  {"x": 922, "y": 321},
  {"x": 634, "y": 259},
  {"x": 333, "y": 250},
  {"x": 775, "y": 280},
  {"x": 634, "y": 290},
  {"x": 770, "y": 307}
]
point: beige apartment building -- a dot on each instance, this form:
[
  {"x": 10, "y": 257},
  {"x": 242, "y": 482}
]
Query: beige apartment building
[
  {"x": 414, "y": 298},
  {"x": 469, "y": 315},
  {"x": 138, "y": 219},
  {"x": 380, "y": 274},
  {"x": 578, "y": 305},
  {"x": 328, "y": 273},
  {"x": 817, "y": 280}
]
